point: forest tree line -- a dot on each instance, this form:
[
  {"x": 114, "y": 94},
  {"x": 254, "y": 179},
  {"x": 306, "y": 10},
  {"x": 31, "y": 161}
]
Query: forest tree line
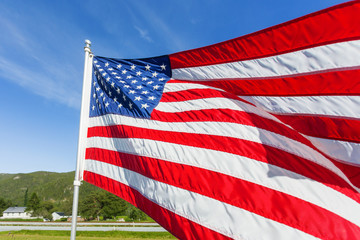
[{"x": 95, "y": 206}]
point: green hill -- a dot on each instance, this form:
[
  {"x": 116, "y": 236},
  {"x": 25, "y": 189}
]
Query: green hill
[
  {"x": 55, "y": 193},
  {"x": 49, "y": 186}
]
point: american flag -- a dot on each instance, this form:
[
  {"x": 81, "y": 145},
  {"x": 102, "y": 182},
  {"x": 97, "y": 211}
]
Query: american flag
[{"x": 253, "y": 138}]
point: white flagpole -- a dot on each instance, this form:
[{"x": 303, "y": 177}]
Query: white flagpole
[{"x": 84, "y": 116}]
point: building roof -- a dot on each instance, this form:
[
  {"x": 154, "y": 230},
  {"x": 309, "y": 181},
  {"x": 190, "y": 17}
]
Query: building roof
[
  {"x": 15, "y": 210},
  {"x": 59, "y": 213}
]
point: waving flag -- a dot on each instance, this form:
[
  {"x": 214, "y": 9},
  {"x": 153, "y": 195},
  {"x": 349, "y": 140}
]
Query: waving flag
[{"x": 253, "y": 138}]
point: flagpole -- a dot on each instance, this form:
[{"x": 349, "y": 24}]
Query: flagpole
[{"x": 84, "y": 116}]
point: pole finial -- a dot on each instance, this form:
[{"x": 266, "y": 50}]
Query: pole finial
[{"x": 87, "y": 46}]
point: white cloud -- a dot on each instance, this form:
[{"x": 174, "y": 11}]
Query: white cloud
[
  {"x": 143, "y": 33},
  {"x": 158, "y": 25},
  {"x": 33, "y": 65},
  {"x": 45, "y": 84}
]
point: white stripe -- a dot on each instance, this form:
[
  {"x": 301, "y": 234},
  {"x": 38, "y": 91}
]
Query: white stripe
[
  {"x": 341, "y": 150},
  {"x": 226, "y": 129},
  {"x": 344, "y": 106},
  {"x": 223, "y": 218},
  {"x": 332, "y": 56},
  {"x": 261, "y": 173},
  {"x": 347, "y": 152},
  {"x": 174, "y": 87},
  {"x": 215, "y": 103}
]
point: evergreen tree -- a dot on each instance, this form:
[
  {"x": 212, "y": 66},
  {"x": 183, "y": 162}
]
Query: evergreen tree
[
  {"x": 4, "y": 204},
  {"x": 26, "y": 197},
  {"x": 90, "y": 207},
  {"x": 112, "y": 206},
  {"x": 33, "y": 203},
  {"x": 137, "y": 215},
  {"x": 102, "y": 204}
]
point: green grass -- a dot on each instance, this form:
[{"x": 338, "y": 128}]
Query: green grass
[
  {"x": 83, "y": 235},
  {"x": 21, "y": 220}
]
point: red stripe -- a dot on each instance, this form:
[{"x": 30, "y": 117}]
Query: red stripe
[
  {"x": 193, "y": 94},
  {"x": 230, "y": 116},
  {"x": 179, "y": 226},
  {"x": 328, "y": 83},
  {"x": 351, "y": 171},
  {"x": 311, "y": 125},
  {"x": 254, "y": 198},
  {"x": 324, "y": 127},
  {"x": 239, "y": 147},
  {"x": 331, "y": 25}
]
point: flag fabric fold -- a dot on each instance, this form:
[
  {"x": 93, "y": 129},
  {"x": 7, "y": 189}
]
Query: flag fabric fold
[{"x": 253, "y": 138}]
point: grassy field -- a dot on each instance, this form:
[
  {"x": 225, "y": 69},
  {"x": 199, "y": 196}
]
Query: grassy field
[{"x": 82, "y": 235}]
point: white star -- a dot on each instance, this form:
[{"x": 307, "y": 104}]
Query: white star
[
  {"x": 150, "y": 82},
  {"x": 104, "y": 99},
  {"x": 115, "y": 99},
  {"x": 121, "y": 81},
  {"x": 97, "y": 101},
  {"x": 131, "y": 91},
  {"x": 109, "y": 94},
  {"x": 99, "y": 106},
  {"x": 139, "y": 87},
  {"x": 120, "y": 105},
  {"x": 94, "y": 95},
  {"x": 112, "y": 84},
  {"x": 138, "y": 73},
  {"x": 107, "y": 79},
  {"x": 147, "y": 67},
  {"x": 97, "y": 65},
  {"x": 151, "y": 98},
  {"x": 106, "y": 104},
  {"x": 95, "y": 61},
  {"x": 113, "y": 73},
  {"x": 156, "y": 87},
  {"x": 94, "y": 84},
  {"x": 106, "y": 64},
  {"x": 154, "y": 74},
  {"x": 130, "y": 105},
  {"x": 163, "y": 67},
  {"x": 124, "y": 97},
  {"x": 124, "y": 71},
  {"x": 161, "y": 79},
  {"x": 110, "y": 69},
  {"x": 118, "y": 90},
  {"x": 126, "y": 86},
  {"x": 118, "y": 77},
  {"x": 133, "y": 67},
  {"x": 138, "y": 98},
  {"x": 134, "y": 81},
  {"x": 100, "y": 70},
  {"x": 128, "y": 77},
  {"x": 119, "y": 66},
  {"x": 144, "y": 105},
  {"x": 144, "y": 92},
  {"x": 144, "y": 78},
  {"x": 93, "y": 107},
  {"x": 101, "y": 94},
  {"x": 104, "y": 74}
]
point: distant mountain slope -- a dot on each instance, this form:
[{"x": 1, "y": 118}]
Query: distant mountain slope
[{"x": 56, "y": 187}]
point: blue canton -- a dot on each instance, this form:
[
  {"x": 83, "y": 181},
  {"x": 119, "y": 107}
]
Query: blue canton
[{"x": 128, "y": 87}]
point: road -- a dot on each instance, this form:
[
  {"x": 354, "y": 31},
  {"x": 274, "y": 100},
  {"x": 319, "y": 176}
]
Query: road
[
  {"x": 81, "y": 223},
  {"x": 61, "y": 226}
]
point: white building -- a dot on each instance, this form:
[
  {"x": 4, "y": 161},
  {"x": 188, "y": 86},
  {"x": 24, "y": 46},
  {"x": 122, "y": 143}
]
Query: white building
[
  {"x": 16, "y": 212},
  {"x": 58, "y": 215}
]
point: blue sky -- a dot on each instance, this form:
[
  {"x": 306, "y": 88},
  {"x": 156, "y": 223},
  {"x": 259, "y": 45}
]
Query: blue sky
[{"x": 42, "y": 57}]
